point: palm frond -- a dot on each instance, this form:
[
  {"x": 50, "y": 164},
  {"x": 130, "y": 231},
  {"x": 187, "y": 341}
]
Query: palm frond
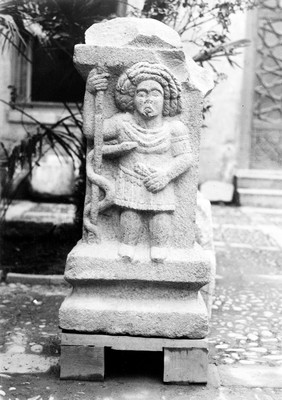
[{"x": 28, "y": 152}]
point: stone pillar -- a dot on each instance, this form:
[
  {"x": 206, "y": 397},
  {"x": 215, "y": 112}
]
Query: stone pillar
[
  {"x": 137, "y": 270},
  {"x": 259, "y": 179}
]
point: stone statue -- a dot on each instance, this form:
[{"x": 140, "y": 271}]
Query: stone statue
[
  {"x": 153, "y": 149},
  {"x": 138, "y": 271}
]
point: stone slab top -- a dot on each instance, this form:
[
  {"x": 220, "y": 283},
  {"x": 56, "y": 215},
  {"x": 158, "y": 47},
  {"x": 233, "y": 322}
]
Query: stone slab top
[
  {"x": 135, "y": 32},
  {"x": 113, "y": 43},
  {"x": 24, "y": 210}
]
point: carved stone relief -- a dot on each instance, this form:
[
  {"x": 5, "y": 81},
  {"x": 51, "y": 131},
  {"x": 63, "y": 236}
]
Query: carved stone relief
[
  {"x": 138, "y": 270},
  {"x": 152, "y": 150},
  {"x": 267, "y": 112}
]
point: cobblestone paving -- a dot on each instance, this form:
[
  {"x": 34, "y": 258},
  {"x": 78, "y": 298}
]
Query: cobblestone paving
[
  {"x": 244, "y": 235},
  {"x": 29, "y": 319},
  {"x": 246, "y": 216},
  {"x": 246, "y": 326},
  {"x": 247, "y": 394},
  {"x": 242, "y": 261}
]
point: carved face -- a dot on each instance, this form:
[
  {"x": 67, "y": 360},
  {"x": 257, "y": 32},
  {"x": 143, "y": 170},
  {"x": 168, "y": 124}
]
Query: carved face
[{"x": 149, "y": 99}]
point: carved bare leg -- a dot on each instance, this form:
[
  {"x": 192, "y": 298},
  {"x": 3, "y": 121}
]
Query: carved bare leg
[
  {"x": 160, "y": 226},
  {"x": 130, "y": 226}
]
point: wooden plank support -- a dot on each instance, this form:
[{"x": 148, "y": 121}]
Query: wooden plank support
[
  {"x": 129, "y": 342},
  {"x": 82, "y": 356},
  {"x": 185, "y": 365},
  {"x": 82, "y": 363}
]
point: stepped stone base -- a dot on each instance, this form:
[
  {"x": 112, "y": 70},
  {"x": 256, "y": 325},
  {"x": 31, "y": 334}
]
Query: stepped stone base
[
  {"x": 89, "y": 263},
  {"x": 260, "y": 188},
  {"x": 140, "y": 298},
  {"x": 260, "y": 198},
  {"x": 156, "y": 316}
]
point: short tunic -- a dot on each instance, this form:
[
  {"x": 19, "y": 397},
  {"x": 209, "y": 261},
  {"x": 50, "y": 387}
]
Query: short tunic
[{"x": 156, "y": 150}]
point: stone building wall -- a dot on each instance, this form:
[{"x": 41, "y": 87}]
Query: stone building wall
[
  {"x": 5, "y": 81},
  {"x": 266, "y": 132}
]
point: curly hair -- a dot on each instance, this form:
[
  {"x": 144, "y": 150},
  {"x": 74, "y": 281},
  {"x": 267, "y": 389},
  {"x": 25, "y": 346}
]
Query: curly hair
[{"x": 142, "y": 71}]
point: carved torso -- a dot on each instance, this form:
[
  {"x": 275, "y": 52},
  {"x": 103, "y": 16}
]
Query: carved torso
[{"x": 155, "y": 151}]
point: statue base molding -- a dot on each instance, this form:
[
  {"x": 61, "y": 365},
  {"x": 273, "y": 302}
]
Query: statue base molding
[
  {"x": 88, "y": 263},
  {"x": 138, "y": 298},
  {"x": 83, "y": 356}
]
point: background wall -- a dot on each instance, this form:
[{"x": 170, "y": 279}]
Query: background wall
[
  {"x": 221, "y": 136},
  {"x": 5, "y": 81}
]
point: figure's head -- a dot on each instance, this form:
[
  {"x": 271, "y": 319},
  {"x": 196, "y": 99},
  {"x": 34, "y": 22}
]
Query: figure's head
[
  {"x": 149, "y": 88},
  {"x": 149, "y": 99}
]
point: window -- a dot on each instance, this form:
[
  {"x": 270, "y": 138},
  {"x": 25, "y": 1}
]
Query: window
[{"x": 52, "y": 77}]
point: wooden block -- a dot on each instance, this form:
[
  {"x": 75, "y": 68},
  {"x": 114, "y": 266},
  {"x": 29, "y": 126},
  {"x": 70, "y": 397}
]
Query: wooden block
[
  {"x": 82, "y": 363},
  {"x": 130, "y": 342},
  {"x": 185, "y": 365}
]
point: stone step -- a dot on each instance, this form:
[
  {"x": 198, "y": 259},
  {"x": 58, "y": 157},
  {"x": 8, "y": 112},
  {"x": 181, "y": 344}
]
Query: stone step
[
  {"x": 271, "y": 198},
  {"x": 259, "y": 179}
]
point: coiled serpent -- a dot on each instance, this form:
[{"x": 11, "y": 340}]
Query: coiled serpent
[{"x": 102, "y": 183}]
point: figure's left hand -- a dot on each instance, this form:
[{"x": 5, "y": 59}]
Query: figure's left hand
[{"x": 156, "y": 181}]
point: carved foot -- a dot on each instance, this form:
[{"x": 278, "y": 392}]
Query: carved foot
[
  {"x": 126, "y": 251},
  {"x": 158, "y": 254}
]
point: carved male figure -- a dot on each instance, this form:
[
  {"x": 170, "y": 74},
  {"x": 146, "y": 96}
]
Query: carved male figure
[{"x": 153, "y": 150}]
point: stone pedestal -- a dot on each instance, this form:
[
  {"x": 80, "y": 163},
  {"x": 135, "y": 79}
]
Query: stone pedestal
[
  {"x": 137, "y": 305},
  {"x": 138, "y": 298},
  {"x": 137, "y": 272}
]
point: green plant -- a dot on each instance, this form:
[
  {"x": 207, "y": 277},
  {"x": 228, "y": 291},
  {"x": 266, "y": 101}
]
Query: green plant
[
  {"x": 41, "y": 138},
  {"x": 204, "y": 23},
  {"x": 59, "y": 24},
  {"x": 56, "y": 25}
]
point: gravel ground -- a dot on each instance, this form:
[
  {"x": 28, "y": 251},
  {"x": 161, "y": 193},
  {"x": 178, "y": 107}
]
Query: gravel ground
[{"x": 246, "y": 326}]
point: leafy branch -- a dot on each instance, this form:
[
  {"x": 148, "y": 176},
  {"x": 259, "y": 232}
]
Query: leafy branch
[
  {"x": 190, "y": 17},
  {"x": 27, "y": 154},
  {"x": 59, "y": 25}
]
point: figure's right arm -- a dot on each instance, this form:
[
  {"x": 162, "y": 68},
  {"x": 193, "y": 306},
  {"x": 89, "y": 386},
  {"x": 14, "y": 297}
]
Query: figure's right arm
[{"x": 96, "y": 84}]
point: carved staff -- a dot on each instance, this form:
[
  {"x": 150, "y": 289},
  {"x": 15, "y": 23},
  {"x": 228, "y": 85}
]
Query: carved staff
[{"x": 93, "y": 119}]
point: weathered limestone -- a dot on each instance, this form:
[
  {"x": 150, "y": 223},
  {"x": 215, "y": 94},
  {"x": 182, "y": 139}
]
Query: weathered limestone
[
  {"x": 204, "y": 237},
  {"x": 137, "y": 270}
]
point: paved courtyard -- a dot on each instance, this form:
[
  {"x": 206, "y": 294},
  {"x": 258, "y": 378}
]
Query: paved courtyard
[
  {"x": 245, "y": 336},
  {"x": 246, "y": 327}
]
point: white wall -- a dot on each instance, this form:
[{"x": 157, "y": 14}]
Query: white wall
[
  {"x": 220, "y": 139},
  {"x": 5, "y": 81}
]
